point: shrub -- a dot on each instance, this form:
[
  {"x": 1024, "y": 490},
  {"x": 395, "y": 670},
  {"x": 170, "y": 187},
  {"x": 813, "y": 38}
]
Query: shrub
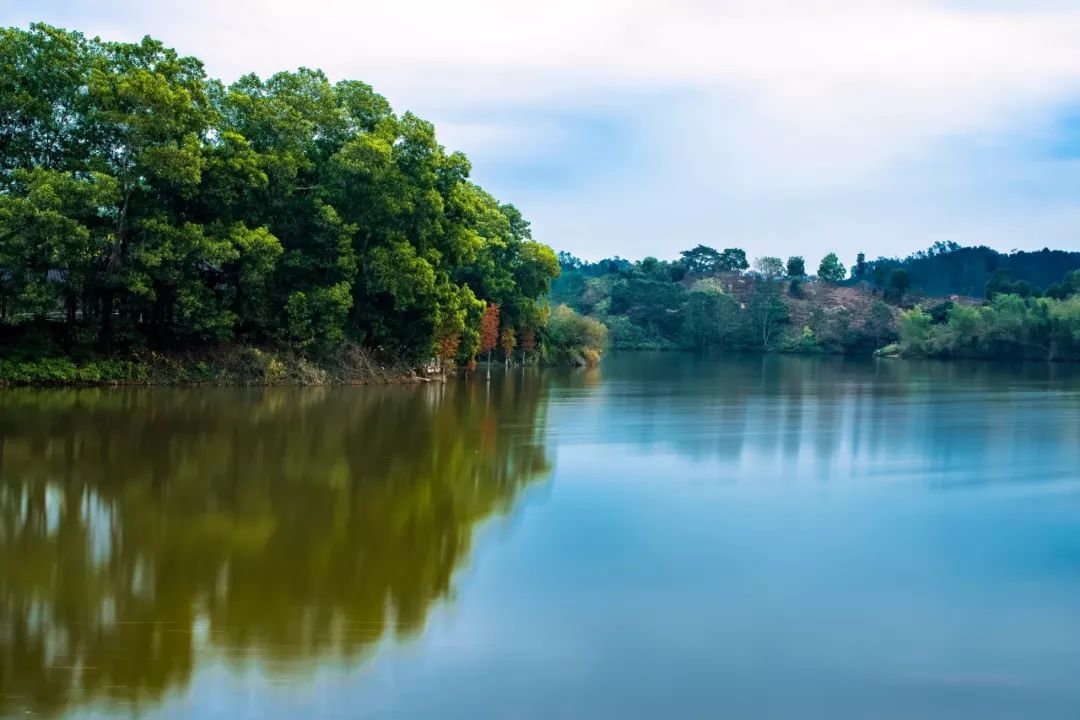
[
  {"x": 62, "y": 371},
  {"x": 574, "y": 339}
]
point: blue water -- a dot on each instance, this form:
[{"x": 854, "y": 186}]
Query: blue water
[{"x": 666, "y": 536}]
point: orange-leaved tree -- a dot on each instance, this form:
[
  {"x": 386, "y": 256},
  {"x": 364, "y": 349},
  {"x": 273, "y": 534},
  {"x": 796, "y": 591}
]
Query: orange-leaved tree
[
  {"x": 528, "y": 342},
  {"x": 446, "y": 350},
  {"x": 489, "y": 332}
]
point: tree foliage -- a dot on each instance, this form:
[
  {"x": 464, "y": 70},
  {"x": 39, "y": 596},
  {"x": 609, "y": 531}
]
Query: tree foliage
[
  {"x": 831, "y": 270},
  {"x": 770, "y": 268},
  {"x": 1008, "y": 326},
  {"x": 650, "y": 304},
  {"x": 796, "y": 267},
  {"x": 143, "y": 203}
]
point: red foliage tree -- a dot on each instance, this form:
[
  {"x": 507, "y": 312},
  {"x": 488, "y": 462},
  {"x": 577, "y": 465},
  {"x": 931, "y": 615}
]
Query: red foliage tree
[
  {"x": 527, "y": 342},
  {"x": 447, "y": 350},
  {"x": 489, "y": 332}
]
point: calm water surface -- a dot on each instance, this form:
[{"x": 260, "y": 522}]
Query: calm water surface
[{"x": 666, "y": 536}]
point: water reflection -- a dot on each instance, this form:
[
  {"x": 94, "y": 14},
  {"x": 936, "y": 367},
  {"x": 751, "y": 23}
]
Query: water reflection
[
  {"x": 832, "y": 419},
  {"x": 137, "y": 526},
  {"x": 863, "y": 534}
]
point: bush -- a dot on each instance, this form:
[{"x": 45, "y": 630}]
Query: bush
[
  {"x": 804, "y": 343},
  {"x": 62, "y": 371},
  {"x": 574, "y": 339}
]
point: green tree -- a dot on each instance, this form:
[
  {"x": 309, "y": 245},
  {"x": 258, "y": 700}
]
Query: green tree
[
  {"x": 831, "y": 270},
  {"x": 51, "y": 237},
  {"x": 915, "y": 330},
  {"x": 575, "y": 339},
  {"x": 701, "y": 260},
  {"x": 288, "y": 209},
  {"x": 770, "y": 268},
  {"x": 899, "y": 284},
  {"x": 796, "y": 267},
  {"x": 880, "y": 322},
  {"x": 767, "y": 312},
  {"x": 860, "y": 268},
  {"x": 732, "y": 260},
  {"x": 702, "y": 311},
  {"x": 880, "y": 275}
]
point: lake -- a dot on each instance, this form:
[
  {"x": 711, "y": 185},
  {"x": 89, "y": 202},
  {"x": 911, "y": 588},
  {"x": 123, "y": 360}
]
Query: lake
[{"x": 664, "y": 536}]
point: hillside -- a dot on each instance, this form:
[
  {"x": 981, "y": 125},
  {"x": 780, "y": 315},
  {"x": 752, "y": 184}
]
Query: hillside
[
  {"x": 657, "y": 305},
  {"x": 948, "y": 269}
]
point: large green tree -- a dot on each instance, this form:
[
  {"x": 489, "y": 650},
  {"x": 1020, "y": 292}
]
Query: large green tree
[
  {"x": 831, "y": 270},
  {"x": 162, "y": 207}
]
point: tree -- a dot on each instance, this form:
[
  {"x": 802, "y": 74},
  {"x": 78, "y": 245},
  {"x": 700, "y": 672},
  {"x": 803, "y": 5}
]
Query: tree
[
  {"x": 732, "y": 260},
  {"x": 575, "y": 339},
  {"x": 653, "y": 305},
  {"x": 831, "y": 270},
  {"x": 701, "y": 260},
  {"x": 899, "y": 284},
  {"x": 508, "y": 341},
  {"x": 767, "y": 311},
  {"x": 999, "y": 283},
  {"x": 880, "y": 275},
  {"x": 489, "y": 332},
  {"x": 914, "y": 330},
  {"x": 702, "y": 310},
  {"x": 174, "y": 211},
  {"x": 527, "y": 344},
  {"x": 770, "y": 268},
  {"x": 796, "y": 267},
  {"x": 51, "y": 237},
  {"x": 796, "y": 271},
  {"x": 150, "y": 111},
  {"x": 859, "y": 269},
  {"x": 879, "y": 321},
  {"x": 447, "y": 347}
]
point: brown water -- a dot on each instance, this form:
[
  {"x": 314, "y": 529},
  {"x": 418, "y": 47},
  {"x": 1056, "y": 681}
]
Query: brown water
[{"x": 664, "y": 536}]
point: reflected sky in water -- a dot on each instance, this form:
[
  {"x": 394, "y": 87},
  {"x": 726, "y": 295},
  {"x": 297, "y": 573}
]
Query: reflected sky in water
[{"x": 663, "y": 536}]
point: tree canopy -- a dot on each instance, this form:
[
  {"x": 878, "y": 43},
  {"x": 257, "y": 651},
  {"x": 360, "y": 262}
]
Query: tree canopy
[
  {"x": 143, "y": 203},
  {"x": 831, "y": 270}
]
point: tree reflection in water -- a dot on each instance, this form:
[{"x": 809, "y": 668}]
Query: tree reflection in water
[{"x": 283, "y": 525}]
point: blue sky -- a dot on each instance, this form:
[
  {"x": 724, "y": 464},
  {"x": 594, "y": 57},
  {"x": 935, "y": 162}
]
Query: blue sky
[{"x": 636, "y": 127}]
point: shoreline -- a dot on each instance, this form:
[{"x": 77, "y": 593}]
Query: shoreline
[{"x": 255, "y": 367}]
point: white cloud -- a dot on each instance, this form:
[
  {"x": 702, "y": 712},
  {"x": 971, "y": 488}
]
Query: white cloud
[{"x": 781, "y": 124}]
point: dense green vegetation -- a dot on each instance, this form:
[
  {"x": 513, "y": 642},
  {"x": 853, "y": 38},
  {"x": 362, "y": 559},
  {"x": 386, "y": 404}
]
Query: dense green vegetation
[
  {"x": 706, "y": 300},
  {"x": 718, "y": 299},
  {"x": 948, "y": 269},
  {"x": 146, "y": 207},
  {"x": 158, "y": 225},
  {"x": 1007, "y": 326}
]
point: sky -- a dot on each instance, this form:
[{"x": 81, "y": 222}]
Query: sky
[{"x": 639, "y": 127}]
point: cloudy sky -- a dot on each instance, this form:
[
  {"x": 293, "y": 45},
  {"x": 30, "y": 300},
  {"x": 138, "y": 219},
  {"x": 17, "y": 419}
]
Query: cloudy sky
[{"x": 640, "y": 127}]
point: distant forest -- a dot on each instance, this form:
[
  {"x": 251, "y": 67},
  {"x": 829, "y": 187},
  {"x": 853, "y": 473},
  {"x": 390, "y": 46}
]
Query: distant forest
[
  {"x": 949, "y": 269},
  {"x": 946, "y": 301}
]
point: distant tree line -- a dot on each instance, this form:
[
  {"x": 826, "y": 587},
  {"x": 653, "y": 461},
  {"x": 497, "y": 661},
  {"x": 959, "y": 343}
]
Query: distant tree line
[
  {"x": 949, "y": 269},
  {"x": 1011, "y": 324},
  {"x": 711, "y": 298},
  {"x": 719, "y": 299}
]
